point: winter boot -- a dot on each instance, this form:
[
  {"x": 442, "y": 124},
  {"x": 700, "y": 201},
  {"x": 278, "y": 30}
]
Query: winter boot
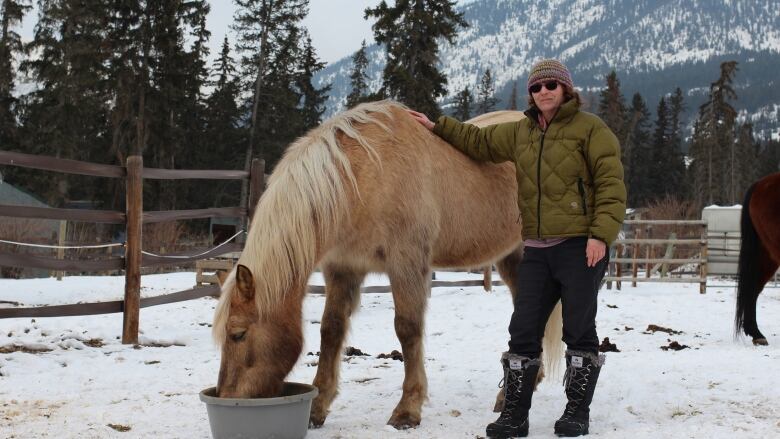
[
  {"x": 519, "y": 379},
  {"x": 582, "y": 373}
]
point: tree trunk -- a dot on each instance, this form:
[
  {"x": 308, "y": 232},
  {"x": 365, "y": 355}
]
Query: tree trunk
[{"x": 255, "y": 103}]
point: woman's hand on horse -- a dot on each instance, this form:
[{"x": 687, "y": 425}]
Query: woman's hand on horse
[
  {"x": 423, "y": 119},
  {"x": 595, "y": 251}
]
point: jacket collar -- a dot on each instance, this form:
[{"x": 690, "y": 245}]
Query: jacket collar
[{"x": 565, "y": 112}]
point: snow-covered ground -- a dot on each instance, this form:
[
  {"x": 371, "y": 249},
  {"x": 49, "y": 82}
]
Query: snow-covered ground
[{"x": 85, "y": 381}]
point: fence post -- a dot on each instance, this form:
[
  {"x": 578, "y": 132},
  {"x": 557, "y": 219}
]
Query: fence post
[
  {"x": 134, "y": 210},
  {"x": 256, "y": 186},
  {"x": 668, "y": 255},
  {"x": 634, "y": 268},
  {"x": 649, "y": 252},
  {"x": 63, "y": 233},
  {"x": 621, "y": 250},
  {"x": 703, "y": 274}
]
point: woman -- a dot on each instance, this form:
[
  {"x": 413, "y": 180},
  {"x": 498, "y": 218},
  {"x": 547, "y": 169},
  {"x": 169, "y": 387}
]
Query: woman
[{"x": 572, "y": 200}]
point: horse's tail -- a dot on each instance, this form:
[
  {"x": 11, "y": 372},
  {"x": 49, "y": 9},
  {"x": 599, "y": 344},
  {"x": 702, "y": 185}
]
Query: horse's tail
[
  {"x": 552, "y": 347},
  {"x": 748, "y": 271}
]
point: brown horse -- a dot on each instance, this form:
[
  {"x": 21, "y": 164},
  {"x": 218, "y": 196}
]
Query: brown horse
[
  {"x": 369, "y": 190},
  {"x": 759, "y": 252}
]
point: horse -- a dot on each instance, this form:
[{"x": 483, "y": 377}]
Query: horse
[
  {"x": 369, "y": 190},
  {"x": 759, "y": 252}
]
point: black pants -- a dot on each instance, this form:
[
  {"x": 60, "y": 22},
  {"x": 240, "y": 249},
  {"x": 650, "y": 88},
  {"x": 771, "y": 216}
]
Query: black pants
[{"x": 546, "y": 275}]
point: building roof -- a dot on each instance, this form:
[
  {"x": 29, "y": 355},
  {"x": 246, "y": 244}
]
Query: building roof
[{"x": 10, "y": 194}]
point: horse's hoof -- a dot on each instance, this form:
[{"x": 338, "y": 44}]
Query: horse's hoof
[
  {"x": 316, "y": 420},
  {"x": 498, "y": 407},
  {"x": 404, "y": 421},
  {"x": 760, "y": 342}
]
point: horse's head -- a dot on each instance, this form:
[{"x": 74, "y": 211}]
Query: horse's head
[{"x": 258, "y": 348}]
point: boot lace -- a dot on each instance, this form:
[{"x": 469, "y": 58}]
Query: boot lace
[
  {"x": 575, "y": 380},
  {"x": 513, "y": 381}
]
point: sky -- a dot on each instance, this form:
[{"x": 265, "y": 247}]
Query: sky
[{"x": 336, "y": 26}]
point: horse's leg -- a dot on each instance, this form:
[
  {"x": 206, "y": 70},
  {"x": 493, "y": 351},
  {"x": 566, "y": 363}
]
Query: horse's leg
[
  {"x": 767, "y": 269},
  {"x": 342, "y": 287},
  {"x": 764, "y": 213},
  {"x": 410, "y": 285},
  {"x": 755, "y": 265}
]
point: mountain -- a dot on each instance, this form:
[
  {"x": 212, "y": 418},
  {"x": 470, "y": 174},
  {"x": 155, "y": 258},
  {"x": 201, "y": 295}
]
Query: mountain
[{"x": 653, "y": 45}]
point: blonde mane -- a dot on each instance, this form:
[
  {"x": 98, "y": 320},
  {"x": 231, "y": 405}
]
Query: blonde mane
[{"x": 304, "y": 201}]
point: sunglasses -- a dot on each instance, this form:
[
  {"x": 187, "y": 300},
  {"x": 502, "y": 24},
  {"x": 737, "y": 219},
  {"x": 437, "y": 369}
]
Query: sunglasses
[{"x": 536, "y": 88}]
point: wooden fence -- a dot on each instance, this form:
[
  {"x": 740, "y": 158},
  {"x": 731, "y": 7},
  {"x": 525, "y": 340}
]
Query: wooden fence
[
  {"x": 134, "y": 174},
  {"x": 631, "y": 251},
  {"x": 640, "y": 248}
]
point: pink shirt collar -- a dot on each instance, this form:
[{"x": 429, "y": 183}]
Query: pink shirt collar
[{"x": 542, "y": 122}]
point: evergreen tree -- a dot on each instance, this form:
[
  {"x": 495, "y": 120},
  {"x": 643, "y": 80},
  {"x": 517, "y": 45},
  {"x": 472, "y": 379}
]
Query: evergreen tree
[
  {"x": 175, "y": 102},
  {"x": 745, "y": 168},
  {"x": 358, "y": 78},
  {"x": 283, "y": 98},
  {"x": 224, "y": 136},
  {"x": 66, "y": 115},
  {"x": 677, "y": 169},
  {"x": 513, "y": 98},
  {"x": 196, "y": 78},
  {"x": 486, "y": 94},
  {"x": 462, "y": 104},
  {"x": 612, "y": 109},
  {"x": 223, "y": 120},
  {"x": 129, "y": 35},
  {"x": 769, "y": 158},
  {"x": 264, "y": 32},
  {"x": 658, "y": 178},
  {"x": 713, "y": 140},
  {"x": 411, "y": 31},
  {"x": 622, "y": 121},
  {"x": 639, "y": 160},
  {"x": 313, "y": 104},
  {"x": 10, "y": 45},
  {"x": 668, "y": 167}
]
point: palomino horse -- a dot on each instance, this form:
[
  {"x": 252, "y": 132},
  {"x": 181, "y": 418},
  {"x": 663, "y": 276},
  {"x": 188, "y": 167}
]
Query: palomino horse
[
  {"x": 759, "y": 253},
  {"x": 369, "y": 190}
]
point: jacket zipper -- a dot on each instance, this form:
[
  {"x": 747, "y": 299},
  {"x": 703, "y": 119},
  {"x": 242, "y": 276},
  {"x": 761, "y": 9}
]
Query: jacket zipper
[
  {"x": 581, "y": 187},
  {"x": 539, "y": 188}
]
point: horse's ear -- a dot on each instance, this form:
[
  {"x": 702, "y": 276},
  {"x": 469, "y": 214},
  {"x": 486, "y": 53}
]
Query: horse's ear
[{"x": 245, "y": 282}]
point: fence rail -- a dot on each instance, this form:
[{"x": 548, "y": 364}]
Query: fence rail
[
  {"x": 193, "y": 174},
  {"x": 85, "y": 309},
  {"x": 53, "y": 213},
  {"x": 60, "y": 165},
  {"x": 20, "y": 260},
  {"x": 178, "y": 215},
  {"x": 637, "y": 245}
]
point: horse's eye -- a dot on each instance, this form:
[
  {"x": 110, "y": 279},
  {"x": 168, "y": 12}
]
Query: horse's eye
[{"x": 238, "y": 336}]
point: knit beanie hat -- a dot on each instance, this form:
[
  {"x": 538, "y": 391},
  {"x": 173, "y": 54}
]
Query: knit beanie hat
[{"x": 549, "y": 69}]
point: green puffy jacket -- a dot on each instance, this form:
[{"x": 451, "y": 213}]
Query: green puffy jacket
[{"x": 569, "y": 177}]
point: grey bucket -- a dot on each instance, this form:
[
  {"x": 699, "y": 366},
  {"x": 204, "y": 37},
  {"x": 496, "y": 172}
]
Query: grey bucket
[{"x": 285, "y": 417}]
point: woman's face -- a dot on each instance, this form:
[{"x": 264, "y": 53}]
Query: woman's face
[{"x": 548, "y": 100}]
